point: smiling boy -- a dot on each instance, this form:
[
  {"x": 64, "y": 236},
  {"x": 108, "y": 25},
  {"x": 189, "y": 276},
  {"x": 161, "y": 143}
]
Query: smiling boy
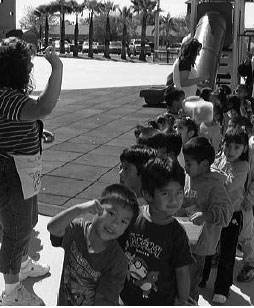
[
  {"x": 94, "y": 267},
  {"x": 157, "y": 246}
]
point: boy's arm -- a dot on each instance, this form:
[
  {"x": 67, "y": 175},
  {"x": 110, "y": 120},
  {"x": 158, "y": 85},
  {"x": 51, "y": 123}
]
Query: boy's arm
[
  {"x": 111, "y": 283},
  {"x": 183, "y": 285},
  {"x": 220, "y": 210},
  {"x": 57, "y": 224}
]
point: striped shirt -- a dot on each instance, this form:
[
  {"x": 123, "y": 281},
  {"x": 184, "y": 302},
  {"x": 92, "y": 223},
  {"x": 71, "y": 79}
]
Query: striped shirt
[{"x": 17, "y": 137}]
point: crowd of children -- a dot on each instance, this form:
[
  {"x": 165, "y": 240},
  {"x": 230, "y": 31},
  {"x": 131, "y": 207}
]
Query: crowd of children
[
  {"x": 177, "y": 168},
  {"x": 129, "y": 246}
]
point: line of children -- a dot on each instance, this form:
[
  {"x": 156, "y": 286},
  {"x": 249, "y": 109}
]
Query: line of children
[{"x": 161, "y": 266}]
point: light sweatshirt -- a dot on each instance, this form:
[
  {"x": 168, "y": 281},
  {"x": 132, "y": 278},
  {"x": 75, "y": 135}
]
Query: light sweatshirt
[
  {"x": 236, "y": 172},
  {"x": 207, "y": 194}
]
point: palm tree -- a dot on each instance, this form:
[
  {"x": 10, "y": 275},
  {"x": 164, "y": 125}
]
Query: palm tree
[
  {"x": 145, "y": 8},
  {"x": 92, "y": 6},
  {"x": 166, "y": 24},
  {"x": 63, "y": 8},
  {"x": 42, "y": 12},
  {"x": 77, "y": 9},
  {"x": 106, "y": 8},
  {"x": 126, "y": 16}
]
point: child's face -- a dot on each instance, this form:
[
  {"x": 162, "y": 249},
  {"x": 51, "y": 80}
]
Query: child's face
[
  {"x": 233, "y": 113},
  {"x": 113, "y": 222},
  {"x": 167, "y": 200},
  {"x": 129, "y": 176},
  {"x": 233, "y": 150},
  {"x": 241, "y": 92},
  {"x": 192, "y": 167},
  {"x": 182, "y": 130}
]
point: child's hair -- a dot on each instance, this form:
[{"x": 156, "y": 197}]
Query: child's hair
[
  {"x": 217, "y": 110},
  {"x": 234, "y": 103},
  {"x": 171, "y": 141},
  {"x": 205, "y": 93},
  {"x": 121, "y": 195},
  {"x": 15, "y": 55},
  {"x": 158, "y": 172},
  {"x": 220, "y": 95},
  {"x": 137, "y": 155},
  {"x": 238, "y": 136},
  {"x": 171, "y": 95},
  {"x": 189, "y": 123},
  {"x": 199, "y": 149},
  {"x": 145, "y": 131},
  {"x": 241, "y": 121},
  {"x": 227, "y": 90},
  {"x": 241, "y": 87}
]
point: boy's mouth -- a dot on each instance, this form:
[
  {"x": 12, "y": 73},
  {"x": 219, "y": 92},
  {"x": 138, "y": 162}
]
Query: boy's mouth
[{"x": 109, "y": 230}]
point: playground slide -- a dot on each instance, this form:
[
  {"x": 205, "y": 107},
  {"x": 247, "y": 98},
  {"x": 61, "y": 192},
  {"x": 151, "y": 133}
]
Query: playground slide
[{"x": 210, "y": 31}]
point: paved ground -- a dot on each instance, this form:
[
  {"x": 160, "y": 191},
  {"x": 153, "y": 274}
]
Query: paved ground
[{"x": 92, "y": 126}]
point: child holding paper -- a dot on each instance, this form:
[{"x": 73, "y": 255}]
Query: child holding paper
[{"x": 206, "y": 201}]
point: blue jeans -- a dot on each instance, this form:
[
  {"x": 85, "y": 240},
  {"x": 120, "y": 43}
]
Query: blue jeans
[{"x": 17, "y": 216}]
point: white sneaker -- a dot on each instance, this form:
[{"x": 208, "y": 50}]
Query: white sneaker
[
  {"x": 219, "y": 299},
  {"x": 20, "y": 297},
  {"x": 33, "y": 269}
]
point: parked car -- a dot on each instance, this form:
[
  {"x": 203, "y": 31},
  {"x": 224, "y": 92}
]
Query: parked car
[
  {"x": 115, "y": 47},
  {"x": 66, "y": 46},
  {"x": 135, "y": 47},
  {"x": 80, "y": 43},
  {"x": 174, "y": 48},
  {"x": 85, "y": 47}
]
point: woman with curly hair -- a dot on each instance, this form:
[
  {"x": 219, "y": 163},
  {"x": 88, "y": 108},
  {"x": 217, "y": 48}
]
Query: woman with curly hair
[
  {"x": 20, "y": 163},
  {"x": 184, "y": 72}
]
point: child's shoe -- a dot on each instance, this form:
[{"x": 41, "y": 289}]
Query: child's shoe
[
  {"x": 246, "y": 274},
  {"x": 20, "y": 297},
  {"x": 219, "y": 299},
  {"x": 33, "y": 269}
]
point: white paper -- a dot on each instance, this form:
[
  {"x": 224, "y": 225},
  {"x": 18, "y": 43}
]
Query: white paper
[{"x": 193, "y": 231}]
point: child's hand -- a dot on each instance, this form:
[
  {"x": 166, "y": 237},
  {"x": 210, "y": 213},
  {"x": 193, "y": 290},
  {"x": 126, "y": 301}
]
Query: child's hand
[
  {"x": 197, "y": 218},
  {"x": 93, "y": 207},
  {"x": 52, "y": 57}
]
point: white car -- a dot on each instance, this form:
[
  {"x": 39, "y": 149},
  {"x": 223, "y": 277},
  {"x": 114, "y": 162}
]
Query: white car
[
  {"x": 135, "y": 47},
  {"x": 67, "y": 46}
]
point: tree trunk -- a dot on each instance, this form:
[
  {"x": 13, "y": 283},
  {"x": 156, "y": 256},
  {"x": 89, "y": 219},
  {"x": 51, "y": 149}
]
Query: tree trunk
[
  {"x": 76, "y": 32},
  {"x": 142, "y": 56},
  {"x": 107, "y": 38},
  {"x": 62, "y": 37},
  {"x": 46, "y": 31},
  {"x": 90, "y": 50},
  {"x": 124, "y": 42}
]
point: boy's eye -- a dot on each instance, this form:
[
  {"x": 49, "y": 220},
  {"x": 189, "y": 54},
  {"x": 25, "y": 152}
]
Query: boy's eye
[
  {"x": 112, "y": 214},
  {"x": 125, "y": 222}
]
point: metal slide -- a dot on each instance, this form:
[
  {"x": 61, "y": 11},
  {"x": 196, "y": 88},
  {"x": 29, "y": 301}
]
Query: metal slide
[{"x": 210, "y": 31}]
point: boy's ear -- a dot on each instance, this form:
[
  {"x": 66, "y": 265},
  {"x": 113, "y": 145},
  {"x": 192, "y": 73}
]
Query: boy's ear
[
  {"x": 190, "y": 133},
  {"x": 146, "y": 195}
]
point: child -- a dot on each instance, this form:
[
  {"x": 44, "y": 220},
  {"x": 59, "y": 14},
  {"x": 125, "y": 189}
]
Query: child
[
  {"x": 21, "y": 162},
  {"x": 246, "y": 103},
  {"x": 234, "y": 162},
  {"x": 94, "y": 267},
  {"x": 206, "y": 201},
  {"x": 166, "y": 145},
  {"x": 174, "y": 98},
  {"x": 133, "y": 160},
  {"x": 157, "y": 247},
  {"x": 187, "y": 129},
  {"x": 205, "y": 93},
  {"x": 212, "y": 130}
]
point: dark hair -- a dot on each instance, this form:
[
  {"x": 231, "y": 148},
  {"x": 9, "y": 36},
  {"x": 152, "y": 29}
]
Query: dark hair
[
  {"x": 189, "y": 51},
  {"x": 171, "y": 141},
  {"x": 122, "y": 195},
  {"x": 146, "y": 131},
  {"x": 189, "y": 123},
  {"x": 199, "y": 149},
  {"x": 205, "y": 93},
  {"x": 221, "y": 96},
  {"x": 171, "y": 95},
  {"x": 217, "y": 110},
  {"x": 227, "y": 90},
  {"x": 234, "y": 102},
  {"x": 159, "y": 172},
  {"x": 137, "y": 155},
  {"x": 165, "y": 118},
  {"x": 15, "y": 55},
  {"x": 241, "y": 121},
  {"x": 239, "y": 136}
]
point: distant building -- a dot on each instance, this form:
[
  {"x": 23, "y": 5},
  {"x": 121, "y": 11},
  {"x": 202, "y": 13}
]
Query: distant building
[{"x": 7, "y": 16}]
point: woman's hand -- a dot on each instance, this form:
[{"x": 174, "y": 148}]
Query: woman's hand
[{"x": 52, "y": 57}]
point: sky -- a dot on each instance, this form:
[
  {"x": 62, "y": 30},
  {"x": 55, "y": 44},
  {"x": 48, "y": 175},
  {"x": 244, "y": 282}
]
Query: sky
[{"x": 175, "y": 7}]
